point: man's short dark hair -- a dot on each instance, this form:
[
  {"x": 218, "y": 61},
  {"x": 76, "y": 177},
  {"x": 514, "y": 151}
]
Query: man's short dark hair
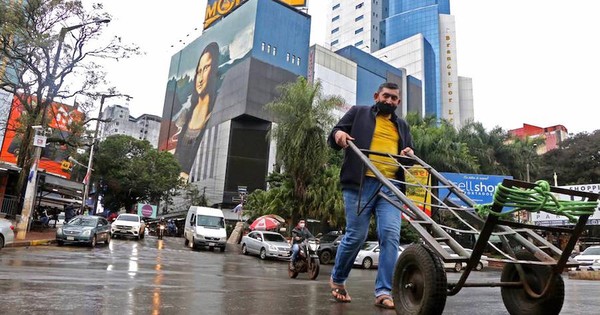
[{"x": 388, "y": 85}]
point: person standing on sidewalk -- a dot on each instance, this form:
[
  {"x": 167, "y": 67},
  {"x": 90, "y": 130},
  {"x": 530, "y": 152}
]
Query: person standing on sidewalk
[{"x": 376, "y": 128}]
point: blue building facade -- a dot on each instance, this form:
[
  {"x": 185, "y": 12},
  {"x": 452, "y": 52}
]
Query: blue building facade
[{"x": 406, "y": 18}]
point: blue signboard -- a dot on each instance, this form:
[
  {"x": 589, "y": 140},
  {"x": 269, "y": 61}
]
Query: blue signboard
[{"x": 479, "y": 188}]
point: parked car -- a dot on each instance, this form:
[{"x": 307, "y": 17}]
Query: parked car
[
  {"x": 368, "y": 256},
  {"x": 589, "y": 258},
  {"x": 483, "y": 261},
  {"x": 87, "y": 229},
  {"x": 127, "y": 224},
  {"x": 266, "y": 244},
  {"x": 7, "y": 232},
  {"x": 59, "y": 222},
  {"x": 454, "y": 266},
  {"x": 328, "y": 245}
]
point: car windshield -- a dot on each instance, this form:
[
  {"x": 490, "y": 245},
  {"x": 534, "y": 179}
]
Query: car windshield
[
  {"x": 328, "y": 238},
  {"x": 274, "y": 237},
  {"x": 368, "y": 246},
  {"x": 591, "y": 251},
  {"x": 132, "y": 218},
  {"x": 210, "y": 221},
  {"x": 83, "y": 222}
]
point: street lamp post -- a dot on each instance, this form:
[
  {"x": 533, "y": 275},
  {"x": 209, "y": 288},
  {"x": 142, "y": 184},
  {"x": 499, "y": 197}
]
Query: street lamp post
[
  {"x": 29, "y": 197},
  {"x": 89, "y": 170}
]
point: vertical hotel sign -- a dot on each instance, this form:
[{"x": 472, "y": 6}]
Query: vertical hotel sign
[
  {"x": 217, "y": 9},
  {"x": 449, "y": 75}
]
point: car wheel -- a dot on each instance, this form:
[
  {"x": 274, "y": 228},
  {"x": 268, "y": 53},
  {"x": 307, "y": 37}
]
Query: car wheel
[
  {"x": 1, "y": 242},
  {"x": 107, "y": 239},
  {"x": 367, "y": 263},
  {"x": 325, "y": 257},
  {"x": 93, "y": 242},
  {"x": 458, "y": 267},
  {"x": 142, "y": 234},
  {"x": 186, "y": 242},
  {"x": 479, "y": 266},
  {"x": 263, "y": 254},
  {"x": 222, "y": 249},
  {"x": 244, "y": 249},
  {"x": 60, "y": 243}
]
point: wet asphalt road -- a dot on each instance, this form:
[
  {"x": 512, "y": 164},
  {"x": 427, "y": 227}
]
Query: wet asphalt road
[{"x": 164, "y": 277}]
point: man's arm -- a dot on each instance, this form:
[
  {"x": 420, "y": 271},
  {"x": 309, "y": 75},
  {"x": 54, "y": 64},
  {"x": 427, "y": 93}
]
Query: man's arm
[{"x": 344, "y": 125}]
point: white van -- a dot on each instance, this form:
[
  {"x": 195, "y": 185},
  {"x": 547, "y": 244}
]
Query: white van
[{"x": 205, "y": 227}]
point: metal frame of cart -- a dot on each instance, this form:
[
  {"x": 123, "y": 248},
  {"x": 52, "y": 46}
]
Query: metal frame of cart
[{"x": 531, "y": 281}]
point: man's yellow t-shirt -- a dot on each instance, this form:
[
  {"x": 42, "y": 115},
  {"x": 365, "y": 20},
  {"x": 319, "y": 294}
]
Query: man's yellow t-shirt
[{"x": 385, "y": 140}]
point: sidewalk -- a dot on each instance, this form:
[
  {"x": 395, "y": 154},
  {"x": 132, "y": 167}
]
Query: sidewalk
[{"x": 36, "y": 238}]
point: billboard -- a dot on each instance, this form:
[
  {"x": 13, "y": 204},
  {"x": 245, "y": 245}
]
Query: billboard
[
  {"x": 217, "y": 9},
  {"x": 145, "y": 210},
  {"x": 479, "y": 188},
  {"x": 547, "y": 219},
  {"x": 54, "y": 155},
  {"x": 195, "y": 89},
  {"x": 417, "y": 193}
]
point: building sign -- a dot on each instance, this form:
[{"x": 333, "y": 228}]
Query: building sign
[
  {"x": 146, "y": 210},
  {"x": 547, "y": 219},
  {"x": 448, "y": 73},
  {"x": 217, "y": 9},
  {"x": 54, "y": 155},
  {"x": 415, "y": 191},
  {"x": 478, "y": 187}
]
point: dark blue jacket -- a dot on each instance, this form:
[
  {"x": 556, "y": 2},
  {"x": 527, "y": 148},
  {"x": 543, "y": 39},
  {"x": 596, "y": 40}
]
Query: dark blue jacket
[{"x": 359, "y": 123}]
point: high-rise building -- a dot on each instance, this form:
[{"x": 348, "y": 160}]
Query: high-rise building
[
  {"x": 415, "y": 35},
  {"x": 119, "y": 122}
]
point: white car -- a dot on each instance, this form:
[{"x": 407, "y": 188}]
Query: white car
[
  {"x": 127, "y": 224},
  {"x": 589, "y": 259},
  {"x": 266, "y": 244},
  {"x": 7, "y": 233},
  {"x": 457, "y": 266},
  {"x": 368, "y": 256},
  {"x": 59, "y": 222}
]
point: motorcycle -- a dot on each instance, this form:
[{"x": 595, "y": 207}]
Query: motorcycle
[
  {"x": 161, "y": 231},
  {"x": 307, "y": 261}
]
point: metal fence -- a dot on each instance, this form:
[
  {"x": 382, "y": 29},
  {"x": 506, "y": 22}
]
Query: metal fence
[{"x": 9, "y": 205}]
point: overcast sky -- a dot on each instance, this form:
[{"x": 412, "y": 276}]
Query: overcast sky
[{"x": 531, "y": 61}]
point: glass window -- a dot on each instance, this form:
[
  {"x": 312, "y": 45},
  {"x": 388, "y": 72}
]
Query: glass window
[
  {"x": 210, "y": 221},
  {"x": 274, "y": 51},
  {"x": 298, "y": 61},
  {"x": 360, "y": 42},
  {"x": 358, "y": 18},
  {"x": 293, "y": 58},
  {"x": 337, "y": 6},
  {"x": 335, "y": 42},
  {"x": 335, "y": 18},
  {"x": 358, "y": 31},
  {"x": 335, "y": 30},
  {"x": 360, "y": 5},
  {"x": 268, "y": 49},
  {"x": 262, "y": 46},
  {"x": 287, "y": 57}
]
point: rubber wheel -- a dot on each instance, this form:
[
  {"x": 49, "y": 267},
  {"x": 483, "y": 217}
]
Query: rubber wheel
[
  {"x": 479, "y": 266},
  {"x": 222, "y": 249},
  {"x": 107, "y": 239},
  {"x": 186, "y": 242},
  {"x": 263, "y": 254},
  {"x": 419, "y": 284},
  {"x": 457, "y": 267},
  {"x": 367, "y": 263},
  {"x": 60, "y": 243},
  {"x": 517, "y": 301},
  {"x": 325, "y": 257},
  {"x": 211, "y": 248},
  {"x": 313, "y": 271},
  {"x": 292, "y": 274},
  {"x": 193, "y": 244},
  {"x": 93, "y": 242},
  {"x": 244, "y": 249},
  {"x": 1, "y": 242}
]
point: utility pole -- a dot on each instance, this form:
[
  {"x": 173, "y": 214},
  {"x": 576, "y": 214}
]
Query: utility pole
[{"x": 88, "y": 174}]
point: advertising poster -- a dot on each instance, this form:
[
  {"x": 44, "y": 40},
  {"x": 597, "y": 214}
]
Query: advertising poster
[
  {"x": 54, "y": 155},
  {"x": 145, "y": 210},
  {"x": 416, "y": 193},
  {"x": 547, "y": 219},
  {"x": 195, "y": 85},
  {"x": 479, "y": 188}
]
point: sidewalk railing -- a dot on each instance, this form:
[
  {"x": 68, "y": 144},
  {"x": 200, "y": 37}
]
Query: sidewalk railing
[{"x": 9, "y": 205}]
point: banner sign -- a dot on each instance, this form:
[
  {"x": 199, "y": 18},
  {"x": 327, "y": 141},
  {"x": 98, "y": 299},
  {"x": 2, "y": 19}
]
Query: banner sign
[
  {"x": 147, "y": 210},
  {"x": 547, "y": 219},
  {"x": 478, "y": 187}
]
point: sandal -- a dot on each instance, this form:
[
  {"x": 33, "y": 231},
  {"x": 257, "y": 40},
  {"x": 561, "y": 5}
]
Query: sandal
[
  {"x": 380, "y": 301},
  {"x": 339, "y": 293}
]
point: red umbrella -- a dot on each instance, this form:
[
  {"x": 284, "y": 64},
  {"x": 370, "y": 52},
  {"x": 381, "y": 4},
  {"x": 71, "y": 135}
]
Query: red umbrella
[{"x": 264, "y": 223}]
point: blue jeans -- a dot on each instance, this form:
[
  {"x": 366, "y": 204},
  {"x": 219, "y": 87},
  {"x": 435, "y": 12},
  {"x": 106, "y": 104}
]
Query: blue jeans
[
  {"x": 388, "y": 219},
  {"x": 295, "y": 251}
]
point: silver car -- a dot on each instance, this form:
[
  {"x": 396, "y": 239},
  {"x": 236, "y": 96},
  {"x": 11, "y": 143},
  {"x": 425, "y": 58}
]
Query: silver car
[
  {"x": 266, "y": 244},
  {"x": 7, "y": 234},
  {"x": 368, "y": 256}
]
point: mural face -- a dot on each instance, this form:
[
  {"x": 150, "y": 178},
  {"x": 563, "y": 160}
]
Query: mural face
[
  {"x": 54, "y": 155},
  {"x": 195, "y": 83}
]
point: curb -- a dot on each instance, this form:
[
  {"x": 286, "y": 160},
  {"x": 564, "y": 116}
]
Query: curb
[{"x": 32, "y": 243}]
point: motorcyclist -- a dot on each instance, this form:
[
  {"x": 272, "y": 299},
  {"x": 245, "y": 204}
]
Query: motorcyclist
[
  {"x": 299, "y": 234},
  {"x": 171, "y": 227}
]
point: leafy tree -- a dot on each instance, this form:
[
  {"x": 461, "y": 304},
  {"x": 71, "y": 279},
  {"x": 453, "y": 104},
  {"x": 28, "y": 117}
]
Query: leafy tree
[
  {"x": 46, "y": 61},
  {"x": 134, "y": 172},
  {"x": 193, "y": 197}
]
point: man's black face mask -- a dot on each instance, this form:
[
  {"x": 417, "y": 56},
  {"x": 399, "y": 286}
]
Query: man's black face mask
[{"x": 385, "y": 108}]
